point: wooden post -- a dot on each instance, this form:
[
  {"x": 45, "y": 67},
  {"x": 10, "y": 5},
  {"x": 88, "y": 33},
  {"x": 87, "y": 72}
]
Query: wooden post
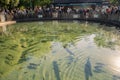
[{"x": 2, "y": 18}]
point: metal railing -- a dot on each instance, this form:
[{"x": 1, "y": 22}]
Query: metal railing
[{"x": 91, "y": 16}]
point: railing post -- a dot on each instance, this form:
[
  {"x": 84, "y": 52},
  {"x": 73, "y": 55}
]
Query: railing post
[{"x": 2, "y": 18}]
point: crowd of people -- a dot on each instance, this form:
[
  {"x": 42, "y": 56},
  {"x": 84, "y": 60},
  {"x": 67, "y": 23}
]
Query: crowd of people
[{"x": 59, "y": 12}]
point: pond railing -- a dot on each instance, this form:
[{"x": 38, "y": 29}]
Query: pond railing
[{"x": 111, "y": 19}]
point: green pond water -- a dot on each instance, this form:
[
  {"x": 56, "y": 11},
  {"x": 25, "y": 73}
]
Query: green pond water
[{"x": 59, "y": 51}]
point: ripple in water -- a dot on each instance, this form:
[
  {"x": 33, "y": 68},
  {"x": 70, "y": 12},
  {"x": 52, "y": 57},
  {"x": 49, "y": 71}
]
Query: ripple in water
[{"x": 89, "y": 56}]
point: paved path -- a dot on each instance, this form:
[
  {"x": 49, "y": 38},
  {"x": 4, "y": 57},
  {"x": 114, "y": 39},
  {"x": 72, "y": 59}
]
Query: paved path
[{"x": 7, "y": 23}]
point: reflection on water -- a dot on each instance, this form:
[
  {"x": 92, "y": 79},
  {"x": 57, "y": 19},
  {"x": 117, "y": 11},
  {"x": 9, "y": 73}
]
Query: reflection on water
[
  {"x": 98, "y": 68},
  {"x": 56, "y": 70},
  {"x": 60, "y": 51},
  {"x": 88, "y": 70},
  {"x": 115, "y": 62}
]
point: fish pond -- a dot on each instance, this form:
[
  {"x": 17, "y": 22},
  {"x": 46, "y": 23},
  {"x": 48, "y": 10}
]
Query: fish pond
[{"x": 57, "y": 50}]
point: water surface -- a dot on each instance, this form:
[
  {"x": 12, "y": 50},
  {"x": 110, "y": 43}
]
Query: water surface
[{"x": 60, "y": 51}]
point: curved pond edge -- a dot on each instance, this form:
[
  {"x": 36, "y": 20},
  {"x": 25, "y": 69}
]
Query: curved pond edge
[{"x": 96, "y": 20}]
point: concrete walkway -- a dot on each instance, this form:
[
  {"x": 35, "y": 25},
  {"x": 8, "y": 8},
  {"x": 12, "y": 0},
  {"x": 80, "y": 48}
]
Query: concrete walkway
[{"x": 7, "y": 23}]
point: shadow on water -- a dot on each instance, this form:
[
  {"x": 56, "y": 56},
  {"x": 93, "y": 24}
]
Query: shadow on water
[
  {"x": 87, "y": 69},
  {"x": 69, "y": 51},
  {"x": 115, "y": 77},
  {"x": 56, "y": 70},
  {"x": 33, "y": 77},
  {"x": 99, "y": 68},
  {"x": 32, "y": 66}
]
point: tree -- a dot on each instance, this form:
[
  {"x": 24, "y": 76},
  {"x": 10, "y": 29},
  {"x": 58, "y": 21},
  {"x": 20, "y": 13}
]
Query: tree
[
  {"x": 41, "y": 2},
  {"x": 32, "y": 3},
  {"x": 25, "y": 3},
  {"x": 9, "y": 3},
  {"x": 115, "y": 1}
]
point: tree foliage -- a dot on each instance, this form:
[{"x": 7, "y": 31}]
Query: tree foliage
[
  {"x": 42, "y": 2},
  {"x": 9, "y": 3},
  {"x": 25, "y": 3},
  {"x": 115, "y": 1},
  {"x": 32, "y": 3}
]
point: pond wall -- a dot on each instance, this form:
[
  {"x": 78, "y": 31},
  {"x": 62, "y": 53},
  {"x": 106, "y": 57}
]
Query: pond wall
[{"x": 109, "y": 19}]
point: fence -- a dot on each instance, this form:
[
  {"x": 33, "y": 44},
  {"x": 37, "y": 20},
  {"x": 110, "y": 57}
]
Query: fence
[{"x": 109, "y": 18}]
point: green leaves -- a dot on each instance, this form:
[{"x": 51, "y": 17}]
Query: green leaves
[
  {"x": 25, "y": 3},
  {"x": 42, "y": 2},
  {"x": 33, "y": 3},
  {"x": 115, "y": 1},
  {"x": 9, "y": 3}
]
